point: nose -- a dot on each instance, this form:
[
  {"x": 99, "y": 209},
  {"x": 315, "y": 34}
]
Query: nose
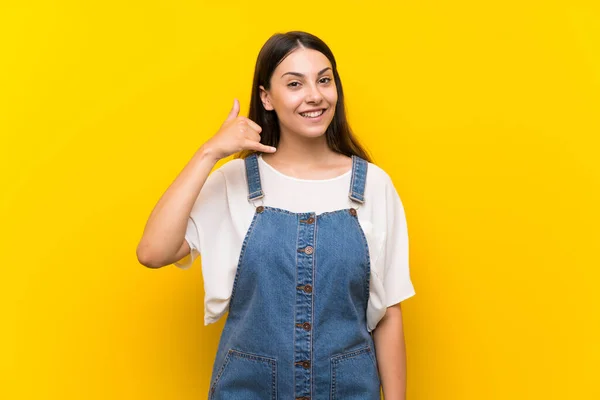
[{"x": 314, "y": 95}]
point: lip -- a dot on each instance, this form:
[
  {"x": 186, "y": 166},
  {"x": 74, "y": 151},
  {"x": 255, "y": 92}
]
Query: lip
[
  {"x": 317, "y": 119},
  {"x": 313, "y": 109}
]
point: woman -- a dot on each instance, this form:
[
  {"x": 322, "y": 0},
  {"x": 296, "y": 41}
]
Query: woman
[{"x": 303, "y": 240}]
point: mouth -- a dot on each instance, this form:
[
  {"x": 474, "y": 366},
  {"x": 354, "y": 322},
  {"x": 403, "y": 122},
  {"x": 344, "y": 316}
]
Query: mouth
[{"x": 313, "y": 114}]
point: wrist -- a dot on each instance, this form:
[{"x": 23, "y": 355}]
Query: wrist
[{"x": 208, "y": 153}]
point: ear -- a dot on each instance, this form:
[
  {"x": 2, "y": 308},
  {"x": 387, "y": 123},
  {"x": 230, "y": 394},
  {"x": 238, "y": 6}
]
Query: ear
[{"x": 264, "y": 97}]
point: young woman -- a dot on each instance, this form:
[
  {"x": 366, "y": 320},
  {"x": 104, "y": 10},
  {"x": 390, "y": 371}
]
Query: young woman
[{"x": 303, "y": 240}]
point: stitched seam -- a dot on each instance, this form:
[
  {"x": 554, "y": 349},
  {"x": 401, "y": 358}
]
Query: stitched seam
[
  {"x": 274, "y": 381},
  {"x": 214, "y": 385},
  {"x": 350, "y": 354},
  {"x": 357, "y": 199},
  {"x": 351, "y": 193},
  {"x": 252, "y": 196},
  {"x": 373, "y": 358},
  {"x": 355, "y": 195},
  {"x": 242, "y": 254},
  {"x": 281, "y": 210},
  {"x": 256, "y": 171},
  {"x": 312, "y": 309},
  {"x": 247, "y": 168},
  {"x": 294, "y": 313},
  {"x": 336, "y": 359},
  {"x": 367, "y": 261},
  {"x": 364, "y": 167},
  {"x": 262, "y": 359},
  {"x": 252, "y": 357},
  {"x": 252, "y": 171},
  {"x": 332, "y": 368}
]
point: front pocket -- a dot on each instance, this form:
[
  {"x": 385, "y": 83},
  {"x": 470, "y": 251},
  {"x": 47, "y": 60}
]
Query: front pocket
[
  {"x": 354, "y": 376},
  {"x": 245, "y": 376}
]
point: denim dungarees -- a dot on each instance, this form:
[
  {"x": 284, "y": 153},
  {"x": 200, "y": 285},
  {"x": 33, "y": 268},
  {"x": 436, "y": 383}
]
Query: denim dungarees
[{"x": 297, "y": 327}]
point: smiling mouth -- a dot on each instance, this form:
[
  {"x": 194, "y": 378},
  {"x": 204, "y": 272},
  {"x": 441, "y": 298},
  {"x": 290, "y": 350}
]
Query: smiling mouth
[{"x": 313, "y": 114}]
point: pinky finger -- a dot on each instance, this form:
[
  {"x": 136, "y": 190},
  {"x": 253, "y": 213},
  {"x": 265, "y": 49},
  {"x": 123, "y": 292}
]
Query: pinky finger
[{"x": 261, "y": 147}]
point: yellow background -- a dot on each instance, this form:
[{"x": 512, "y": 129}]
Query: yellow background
[{"x": 486, "y": 115}]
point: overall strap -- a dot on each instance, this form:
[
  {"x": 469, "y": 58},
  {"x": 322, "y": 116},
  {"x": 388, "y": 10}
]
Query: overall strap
[
  {"x": 359, "y": 179},
  {"x": 253, "y": 177}
]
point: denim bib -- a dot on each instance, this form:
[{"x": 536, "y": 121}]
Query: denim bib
[{"x": 296, "y": 325}]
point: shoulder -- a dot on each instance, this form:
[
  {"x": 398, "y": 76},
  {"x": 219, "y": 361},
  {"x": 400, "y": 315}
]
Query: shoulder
[
  {"x": 231, "y": 165},
  {"x": 377, "y": 178},
  {"x": 380, "y": 188},
  {"x": 232, "y": 172}
]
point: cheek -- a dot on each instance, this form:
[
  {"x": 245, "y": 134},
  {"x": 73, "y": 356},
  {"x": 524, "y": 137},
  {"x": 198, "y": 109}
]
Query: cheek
[
  {"x": 292, "y": 102},
  {"x": 331, "y": 95}
]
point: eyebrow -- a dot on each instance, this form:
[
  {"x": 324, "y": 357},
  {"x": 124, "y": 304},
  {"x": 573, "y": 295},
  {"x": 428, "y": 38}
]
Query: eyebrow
[{"x": 302, "y": 75}]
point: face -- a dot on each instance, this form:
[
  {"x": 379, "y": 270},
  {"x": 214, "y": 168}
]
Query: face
[{"x": 302, "y": 82}]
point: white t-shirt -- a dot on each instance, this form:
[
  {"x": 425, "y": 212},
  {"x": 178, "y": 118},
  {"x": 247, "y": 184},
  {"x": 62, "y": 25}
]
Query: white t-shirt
[{"x": 222, "y": 215}]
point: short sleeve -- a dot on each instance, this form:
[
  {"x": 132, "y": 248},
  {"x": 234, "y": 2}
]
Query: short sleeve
[
  {"x": 396, "y": 275},
  {"x": 210, "y": 207}
]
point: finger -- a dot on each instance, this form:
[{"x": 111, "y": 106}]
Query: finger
[
  {"x": 267, "y": 149},
  {"x": 235, "y": 110},
  {"x": 253, "y": 124},
  {"x": 248, "y": 131},
  {"x": 253, "y": 135},
  {"x": 261, "y": 147}
]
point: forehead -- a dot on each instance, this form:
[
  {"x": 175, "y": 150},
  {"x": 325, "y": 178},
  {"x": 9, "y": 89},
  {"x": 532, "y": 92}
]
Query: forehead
[{"x": 304, "y": 61}]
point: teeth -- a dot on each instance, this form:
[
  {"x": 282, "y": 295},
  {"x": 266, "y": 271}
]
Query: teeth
[{"x": 312, "y": 114}]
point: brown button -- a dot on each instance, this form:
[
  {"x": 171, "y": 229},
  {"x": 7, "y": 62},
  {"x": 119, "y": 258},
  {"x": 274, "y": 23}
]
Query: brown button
[
  {"x": 308, "y": 288},
  {"x": 353, "y": 211},
  {"x": 310, "y": 220},
  {"x": 260, "y": 209},
  {"x": 306, "y": 326},
  {"x": 305, "y": 364},
  {"x": 309, "y": 250},
  {"x": 303, "y": 398}
]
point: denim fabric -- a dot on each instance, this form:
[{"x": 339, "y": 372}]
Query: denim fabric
[{"x": 296, "y": 327}]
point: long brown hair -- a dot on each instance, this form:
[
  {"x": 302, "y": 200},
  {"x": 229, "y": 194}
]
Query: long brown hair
[{"x": 338, "y": 134}]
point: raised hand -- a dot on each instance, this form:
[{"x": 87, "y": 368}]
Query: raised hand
[{"x": 237, "y": 133}]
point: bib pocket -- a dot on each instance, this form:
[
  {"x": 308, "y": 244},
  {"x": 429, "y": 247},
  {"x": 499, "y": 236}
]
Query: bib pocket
[
  {"x": 354, "y": 375},
  {"x": 245, "y": 376}
]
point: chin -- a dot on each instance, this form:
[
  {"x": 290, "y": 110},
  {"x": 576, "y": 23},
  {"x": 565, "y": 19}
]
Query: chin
[
  {"x": 309, "y": 132},
  {"x": 314, "y": 131},
  {"x": 314, "y": 134}
]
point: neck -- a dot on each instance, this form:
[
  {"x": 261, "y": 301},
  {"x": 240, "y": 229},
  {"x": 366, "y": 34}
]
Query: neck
[{"x": 301, "y": 151}]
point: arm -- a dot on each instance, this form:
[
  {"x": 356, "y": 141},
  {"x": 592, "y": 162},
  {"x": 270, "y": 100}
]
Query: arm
[
  {"x": 163, "y": 242},
  {"x": 391, "y": 354}
]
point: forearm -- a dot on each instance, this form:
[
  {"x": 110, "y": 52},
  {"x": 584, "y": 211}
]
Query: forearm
[
  {"x": 165, "y": 229},
  {"x": 391, "y": 354}
]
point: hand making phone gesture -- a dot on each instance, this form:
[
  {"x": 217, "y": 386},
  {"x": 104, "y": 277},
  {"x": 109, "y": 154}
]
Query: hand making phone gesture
[{"x": 237, "y": 133}]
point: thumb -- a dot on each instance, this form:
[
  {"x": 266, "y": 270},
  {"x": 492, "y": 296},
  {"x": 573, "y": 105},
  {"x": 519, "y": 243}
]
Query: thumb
[{"x": 235, "y": 110}]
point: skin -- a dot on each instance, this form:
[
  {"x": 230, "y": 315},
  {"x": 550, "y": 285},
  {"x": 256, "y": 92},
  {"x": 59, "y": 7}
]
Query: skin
[
  {"x": 303, "y": 153},
  {"x": 390, "y": 350}
]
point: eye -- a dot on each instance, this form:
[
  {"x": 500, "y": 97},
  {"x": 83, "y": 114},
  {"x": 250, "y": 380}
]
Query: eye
[
  {"x": 327, "y": 80},
  {"x": 291, "y": 84}
]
